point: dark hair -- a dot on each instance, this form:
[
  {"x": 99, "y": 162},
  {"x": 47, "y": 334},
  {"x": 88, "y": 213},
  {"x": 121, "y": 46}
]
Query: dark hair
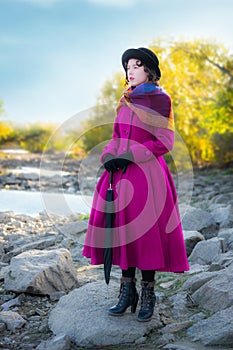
[{"x": 152, "y": 77}]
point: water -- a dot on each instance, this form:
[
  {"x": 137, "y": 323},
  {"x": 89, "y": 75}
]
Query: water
[
  {"x": 15, "y": 151},
  {"x": 38, "y": 171},
  {"x": 32, "y": 203}
]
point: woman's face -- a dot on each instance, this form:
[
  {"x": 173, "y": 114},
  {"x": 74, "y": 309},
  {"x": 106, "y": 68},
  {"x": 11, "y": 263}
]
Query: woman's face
[{"x": 135, "y": 72}]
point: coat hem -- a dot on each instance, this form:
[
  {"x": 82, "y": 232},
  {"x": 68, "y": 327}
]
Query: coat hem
[{"x": 157, "y": 269}]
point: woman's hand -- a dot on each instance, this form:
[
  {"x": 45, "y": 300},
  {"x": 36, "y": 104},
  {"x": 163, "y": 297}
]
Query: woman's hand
[
  {"x": 110, "y": 163},
  {"x": 123, "y": 160}
]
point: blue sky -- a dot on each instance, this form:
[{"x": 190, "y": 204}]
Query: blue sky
[{"x": 55, "y": 55}]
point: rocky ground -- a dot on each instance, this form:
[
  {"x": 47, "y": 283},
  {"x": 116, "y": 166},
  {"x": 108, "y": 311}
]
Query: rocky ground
[
  {"x": 55, "y": 173},
  {"x": 52, "y": 298}
]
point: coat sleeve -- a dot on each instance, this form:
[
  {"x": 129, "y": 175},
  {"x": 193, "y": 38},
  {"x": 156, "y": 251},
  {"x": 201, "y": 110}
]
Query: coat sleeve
[
  {"x": 163, "y": 143},
  {"x": 162, "y": 139},
  {"x": 113, "y": 145}
]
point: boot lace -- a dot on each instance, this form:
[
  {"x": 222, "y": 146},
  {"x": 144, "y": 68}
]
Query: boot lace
[{"x": 147, "y": 297}]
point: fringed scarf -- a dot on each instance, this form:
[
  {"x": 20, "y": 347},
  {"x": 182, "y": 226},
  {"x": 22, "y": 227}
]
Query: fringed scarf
[{"x": 137, "y": 99}]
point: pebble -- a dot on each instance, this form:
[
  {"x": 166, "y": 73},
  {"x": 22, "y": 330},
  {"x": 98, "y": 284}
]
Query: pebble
[
  {"x": 43, "y": 328},
  {"x": 34, "y": 318},
  {"x": 56, "y": 296},
  {"x": 40, "y": 312},
  {"x": 8, "y": 297},
  {"x": 2, "y": 327},
  {"x": 12, "y": 302}
]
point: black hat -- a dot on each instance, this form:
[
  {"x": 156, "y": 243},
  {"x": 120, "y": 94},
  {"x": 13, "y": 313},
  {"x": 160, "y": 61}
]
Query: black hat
[{"x": 145, "y": 55}]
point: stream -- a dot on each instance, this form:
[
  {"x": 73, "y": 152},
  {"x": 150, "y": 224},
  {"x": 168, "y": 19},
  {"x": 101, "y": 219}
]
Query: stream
[{"x": 32, "y": 203}]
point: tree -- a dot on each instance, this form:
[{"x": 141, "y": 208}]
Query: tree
[
  {"x": 198, "y": 76},
  {"x": 5, "y": 128},
  {"x": 35, "y": 137},
  {"x": 98, "y": 127},
  {"x": 1, "y": 107}
]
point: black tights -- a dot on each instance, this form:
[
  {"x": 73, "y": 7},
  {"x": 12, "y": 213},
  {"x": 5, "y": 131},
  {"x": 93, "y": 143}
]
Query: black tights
[{"x": 147, "y": 275}]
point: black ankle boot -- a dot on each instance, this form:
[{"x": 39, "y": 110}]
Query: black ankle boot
[
  {"x": 128, "y": 297},
  {"x": 147, "y": 301}
]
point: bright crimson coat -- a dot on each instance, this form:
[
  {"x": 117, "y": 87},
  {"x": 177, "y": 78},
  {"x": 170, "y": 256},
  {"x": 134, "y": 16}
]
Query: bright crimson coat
[{"x": 147, "y": 230}]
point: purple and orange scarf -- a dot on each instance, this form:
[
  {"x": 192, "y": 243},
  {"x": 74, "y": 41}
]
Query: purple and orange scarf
[{"x": 146, "y": 100}]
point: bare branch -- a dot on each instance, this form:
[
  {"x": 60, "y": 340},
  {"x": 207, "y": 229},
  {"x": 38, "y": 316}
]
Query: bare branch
[{"x": 217, "y": 65}]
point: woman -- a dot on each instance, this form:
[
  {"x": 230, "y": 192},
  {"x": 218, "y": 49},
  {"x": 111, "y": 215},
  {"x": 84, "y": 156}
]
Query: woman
[{"x": 147, "y": 230}]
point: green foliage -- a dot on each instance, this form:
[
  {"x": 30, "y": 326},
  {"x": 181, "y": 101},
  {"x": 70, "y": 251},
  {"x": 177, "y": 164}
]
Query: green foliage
[
  {"x": 98, "y": 127},
  {"x": 35, "y": 137},
  {"x": 5, "y": 128},
  {"x": 32, "y": 138},
  {"x": 84, "y": 216},
  {"x": 198, "y": 75},
  {"x": 5, "y": 132},
  {"x": 223, "y": 148},
  {"x": 97, "y": 132}
]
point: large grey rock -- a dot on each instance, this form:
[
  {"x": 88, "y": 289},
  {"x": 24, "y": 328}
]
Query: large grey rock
[
  {"x": 196, "y": 281},
  {"x": 60, "y": 342},
  {"x": 73, "y": 228},
  {"x": 191, "y": 238},
  {"x": 179, "y": 303},
  {"x": 196, "y": 219},
  {"x": 206, "y": 251},
  {"x": 43, "y": 243},
  {"x": 215, "y": 330},
  {"x": 227, "y": 234},
  {"x": 41, "y": 272},
  {"x": 3, "y": 271},
  {"x": 83, "y": 316},
  {"x": 177, "y": 326},
  {"x": 175, "y": 346},
  {"x": 12, "y": 320},
  {"x": 6, "y": 216},
  {"x": 196, "y": 268},
  {"x": 224, "y": 215},
  {"x": 216, "y": 294},
  {"x": 12, "y": 302},
  {"x": 222, "y": 261},
  {"x": 223, "y": 198},
  {"x": 29, "y": 176}
]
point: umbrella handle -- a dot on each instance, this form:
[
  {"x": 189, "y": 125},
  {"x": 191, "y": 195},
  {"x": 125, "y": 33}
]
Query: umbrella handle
[{"x": 111, "y": 178}]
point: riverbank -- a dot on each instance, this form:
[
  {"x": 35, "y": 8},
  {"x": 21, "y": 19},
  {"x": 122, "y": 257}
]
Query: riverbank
[
  {"x": 35, "y": 309},
  {"x": 63, "y": 174},
  {"x": 49, "y": 173},
  {"x": 29, "y": 325}
]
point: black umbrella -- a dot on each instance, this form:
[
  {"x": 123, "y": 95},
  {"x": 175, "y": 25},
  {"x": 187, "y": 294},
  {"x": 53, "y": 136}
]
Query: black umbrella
[{"x": 109, "y": 209}]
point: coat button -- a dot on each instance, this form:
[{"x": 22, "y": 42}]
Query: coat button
[
  {"x": 148, "y": 153},
  {"x": 124, "y": 148}
]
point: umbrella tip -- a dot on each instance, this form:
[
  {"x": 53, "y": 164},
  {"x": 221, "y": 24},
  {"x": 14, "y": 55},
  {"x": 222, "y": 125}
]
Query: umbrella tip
[{"x": 107, "y": 292}]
